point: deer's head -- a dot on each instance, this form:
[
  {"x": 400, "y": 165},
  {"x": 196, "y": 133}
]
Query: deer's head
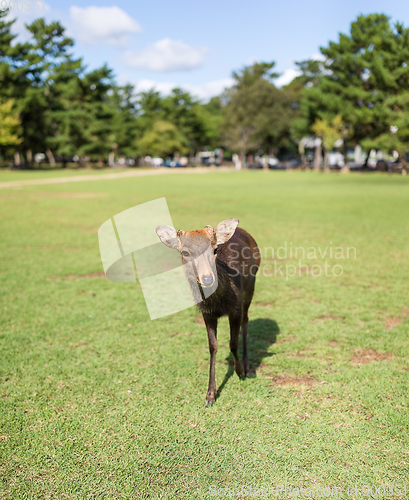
[{"x": 199, "y": 247}]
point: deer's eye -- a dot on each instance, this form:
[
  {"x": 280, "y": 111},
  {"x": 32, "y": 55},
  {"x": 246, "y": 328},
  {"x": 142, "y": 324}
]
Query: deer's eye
[
  {"x": 185, "y": 254},
  {"x": 215, "y": 251}
]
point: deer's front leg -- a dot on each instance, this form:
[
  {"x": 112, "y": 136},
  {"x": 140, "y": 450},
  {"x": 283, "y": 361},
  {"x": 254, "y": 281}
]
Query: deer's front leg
[{"x": 211, "y": 325}]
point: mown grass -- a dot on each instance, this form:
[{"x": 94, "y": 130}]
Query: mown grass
[
  {"x": 7, "y": 174},
  {"x": 100, "y": 402}
]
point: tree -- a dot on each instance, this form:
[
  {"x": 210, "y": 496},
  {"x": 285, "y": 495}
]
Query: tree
[
  {"x": 163, "y": 140},
  {"x": 182, "y": 110},
  {"x": 365, "y": 79},
  {"x": 45, "y": 53},
  {"x": 256, "y": 113},
  {"x": 330, "y": 133},
  {"x": 211, "y": 115},
  {"x": 125, "y": 125},
  {"x": 9, "y": 124}
]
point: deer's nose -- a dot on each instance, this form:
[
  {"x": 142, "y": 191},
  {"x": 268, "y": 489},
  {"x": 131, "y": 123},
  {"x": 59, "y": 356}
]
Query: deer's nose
[{"x": 207, "y": 280}]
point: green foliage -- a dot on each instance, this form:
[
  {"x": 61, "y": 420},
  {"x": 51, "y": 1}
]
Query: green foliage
[
  {"x": 163, "y": 140},
  {"x": 329, "y": 132},
  {"x": 364, "y": 79},
  {"x": 9, "y": 124},
  {"x": 256, "y": 113},
  {"x": 186, "y": 114},
  {"x": 211, "y": 116},
  {"x": 66, "y": 110}
]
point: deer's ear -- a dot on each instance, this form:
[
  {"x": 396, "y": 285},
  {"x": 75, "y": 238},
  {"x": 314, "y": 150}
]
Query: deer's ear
[
  {"x": 225, "y": 230},
  {"x": 168, "y": 236}
]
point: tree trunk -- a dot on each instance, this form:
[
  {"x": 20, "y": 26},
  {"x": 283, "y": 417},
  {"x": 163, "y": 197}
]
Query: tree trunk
[
  {"x": 318, "y": 158},
  {"x": 405, "y": 164},
  {"x": 29, "y": 156},
  {"x": 111, "y": 159},
  {"x": 16, "y": 158},
  {"x": 50, "y": 156},
  {"x": 345, "y": 169},
  {"x": 265, "y": 162},
  {"x": 242, "y": 156},
  {"x": 326, "y": 162}
]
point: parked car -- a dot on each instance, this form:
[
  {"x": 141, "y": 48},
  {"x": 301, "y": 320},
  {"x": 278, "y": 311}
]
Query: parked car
[
  {"x": 272, "y": 161},
  {"x": 172, "y": 163},
  {"x": 157, "y": 162},
  {"x": 354, "y": 166},
  {"x": 336, "y": 160}
]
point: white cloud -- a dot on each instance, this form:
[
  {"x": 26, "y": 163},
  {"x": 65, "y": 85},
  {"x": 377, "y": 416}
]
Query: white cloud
[
  {"x": 109, "y": 25},
  {"x": 167, "y": 55},
  {"x": 164, "y": 88},
  {"x": 204, "y": 91},
  {"x": 317, "y": 56},
  {"x": 210, "y": 89},
  {"x": 287, "y": 77}
]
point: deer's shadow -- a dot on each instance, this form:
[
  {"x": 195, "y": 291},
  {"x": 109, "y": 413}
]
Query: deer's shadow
[{"x": 262, "y": 333}]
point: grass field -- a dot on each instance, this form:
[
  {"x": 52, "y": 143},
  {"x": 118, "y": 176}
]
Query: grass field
[
  {"x": 100, "y": 402},
  {"x": 24, "y": 175}
]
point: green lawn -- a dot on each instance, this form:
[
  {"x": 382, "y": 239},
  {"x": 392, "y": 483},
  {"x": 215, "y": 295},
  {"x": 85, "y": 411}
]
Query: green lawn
[
  {"x": 7, "y": 174},
  {"x": 100, "y": 402}
]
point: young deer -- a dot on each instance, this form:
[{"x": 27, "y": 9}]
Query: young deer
[{"x": 225, "y": 262}]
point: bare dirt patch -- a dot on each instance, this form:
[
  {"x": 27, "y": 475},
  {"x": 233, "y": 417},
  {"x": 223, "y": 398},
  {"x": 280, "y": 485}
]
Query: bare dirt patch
[
  {"x": 286, "y": 339},
  {"x": 96, "y": 274},
  {"x": 67, "y": 195},
  {"x": 199, "y": 320},
  {"x": 391, "y": 322},
  {"x": 89, "y": 230},
  {"x": 283, "y": 380},
  {"x": 333, "y": 344},
  {"x": 365, "y": 356},
  {"x": 304, "y": 353},
  {"x": 52, "y": 195},
  {"x": 329, "y": 316}
]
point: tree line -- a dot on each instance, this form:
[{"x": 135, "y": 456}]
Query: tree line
[{"x": 356, "y": 93}]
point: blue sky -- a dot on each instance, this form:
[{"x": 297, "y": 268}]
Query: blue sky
[{"x": 198, "y": 45}]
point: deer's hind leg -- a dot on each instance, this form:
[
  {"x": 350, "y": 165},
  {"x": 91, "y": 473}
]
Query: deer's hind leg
[
  {"x": 235, "y": 323},
  {"x": 211, "y": 326},
  {"x": 244, "y": 327}
]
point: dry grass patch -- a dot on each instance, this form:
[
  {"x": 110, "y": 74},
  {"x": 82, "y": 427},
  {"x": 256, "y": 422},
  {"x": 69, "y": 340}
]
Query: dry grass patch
[
  {"x": 96, "y": 274},
  {"x": 392, "y": 321},
  {"x": 299, "y": 354},
  {"x": 365, "y": 356},
  {"x": 288, "y": 380},
  {"x": 329, "y": 316},
  {"x": 67, "y": 195},
  {"x": 281, "y": 340}
]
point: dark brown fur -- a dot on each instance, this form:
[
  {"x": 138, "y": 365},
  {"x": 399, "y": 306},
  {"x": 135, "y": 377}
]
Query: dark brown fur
[{"x": 237, "y": 262}]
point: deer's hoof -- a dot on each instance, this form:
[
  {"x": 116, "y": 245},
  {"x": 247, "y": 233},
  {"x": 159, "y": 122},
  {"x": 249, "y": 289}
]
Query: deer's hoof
[{"x": 209, "y": 402}]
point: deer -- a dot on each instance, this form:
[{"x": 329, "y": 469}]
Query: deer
[{"x": 225, "y": 262}]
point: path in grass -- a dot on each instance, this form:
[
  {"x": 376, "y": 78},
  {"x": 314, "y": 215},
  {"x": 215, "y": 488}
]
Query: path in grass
[{"x": 109, "y": 176}]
